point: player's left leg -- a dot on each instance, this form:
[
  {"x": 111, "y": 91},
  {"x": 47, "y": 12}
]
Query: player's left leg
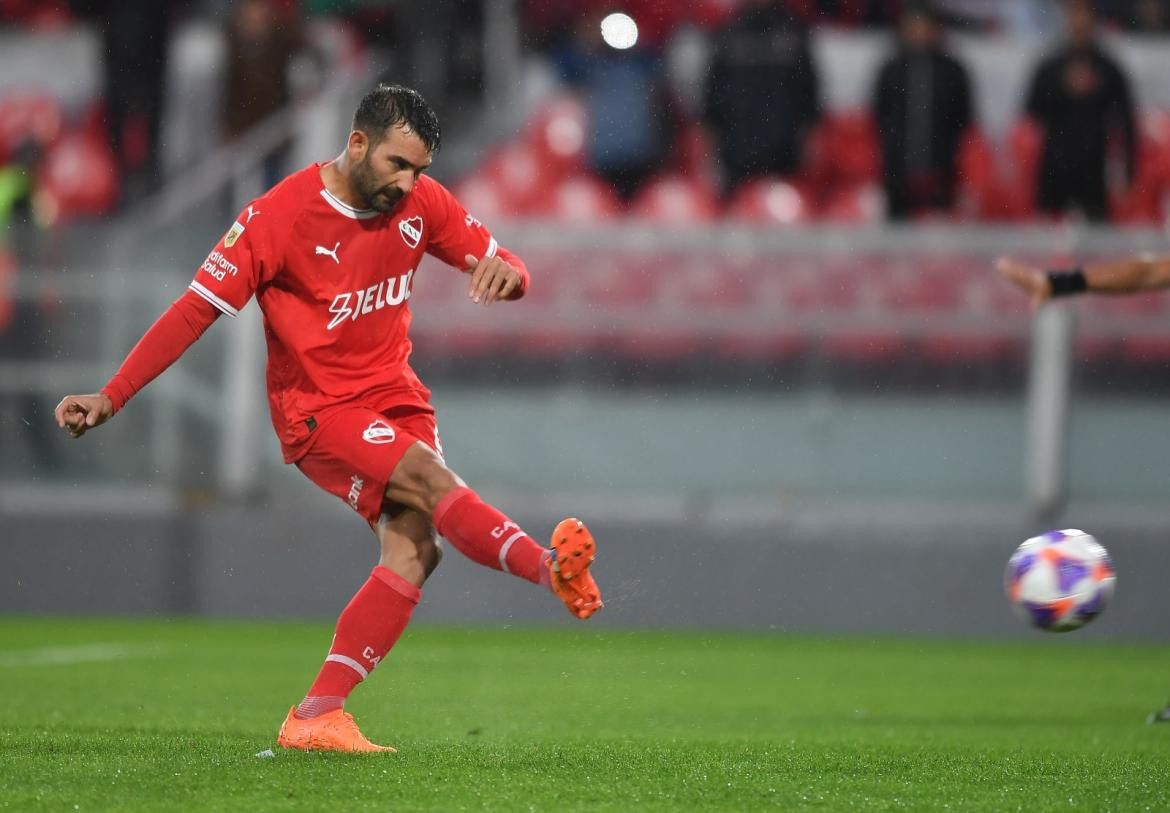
[{"x": 366, "y": 631}]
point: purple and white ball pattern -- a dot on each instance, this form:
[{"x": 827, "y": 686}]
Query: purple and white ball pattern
[{"x": 1060, "y": 581}]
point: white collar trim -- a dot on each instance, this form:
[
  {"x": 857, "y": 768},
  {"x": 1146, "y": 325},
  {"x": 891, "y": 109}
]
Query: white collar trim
[{"x": 346, "y": 209}]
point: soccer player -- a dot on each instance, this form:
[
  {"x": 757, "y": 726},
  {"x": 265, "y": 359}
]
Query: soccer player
[
  {"x": 1121, "y": 277},
  {"x": 329, "y": 253}
]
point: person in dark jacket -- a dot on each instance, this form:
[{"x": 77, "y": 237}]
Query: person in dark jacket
[
  {"x": 1080, "y": 97},
  {"x": 922, "y": 105},
  {"x": 761, "y": 94}
]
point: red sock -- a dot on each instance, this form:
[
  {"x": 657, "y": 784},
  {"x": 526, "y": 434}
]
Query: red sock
[
  {"x": 368, "y": 627},
  {"x": 484, "y": 535}
]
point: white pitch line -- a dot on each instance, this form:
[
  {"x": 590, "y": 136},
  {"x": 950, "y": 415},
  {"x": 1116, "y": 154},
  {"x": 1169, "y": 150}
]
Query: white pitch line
[{"x": 82, "y": 653}]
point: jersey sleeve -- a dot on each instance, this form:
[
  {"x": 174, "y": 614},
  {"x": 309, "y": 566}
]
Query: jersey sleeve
[
  {"x": 454, "y": 233},
  {"x": 233, "y": 270}
]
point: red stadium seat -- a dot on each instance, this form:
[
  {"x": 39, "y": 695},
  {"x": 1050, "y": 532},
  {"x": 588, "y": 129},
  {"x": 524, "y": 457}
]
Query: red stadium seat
[
  {"x": 675, "y": 198},
  {"x": 856, "y": 205},
  {"x": 694, "y": 156},
  {"x": 843, "y": 151},
  {"x": 579, "y": 199},
  {"x": 518, "y": 173},
  {"x": 77, "y": 178},
  {"x": 772, "y": 201},
  {"x": 1145, "y": 199},
  {"x": 483, "y": 199},
  {"x": 28, "y": 117},
  {"x": 557, "y": 131},
  {"x": 980, "y": 187},
  {"x": 1025, "y": 149}
]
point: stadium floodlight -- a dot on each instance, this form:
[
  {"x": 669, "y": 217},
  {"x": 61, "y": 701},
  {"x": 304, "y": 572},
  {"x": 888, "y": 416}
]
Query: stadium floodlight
[{"x": 619, "y": 31}]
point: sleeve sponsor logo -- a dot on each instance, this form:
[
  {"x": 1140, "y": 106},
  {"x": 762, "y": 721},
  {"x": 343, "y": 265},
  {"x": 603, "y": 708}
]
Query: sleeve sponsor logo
[
  {"x": 411, "y": 230},
  {"x": 219, "y": 266},
  {"x": 352, "y": 304},
  {"x": 472, "y": 222},
  {"x": 233, "y": 234}
]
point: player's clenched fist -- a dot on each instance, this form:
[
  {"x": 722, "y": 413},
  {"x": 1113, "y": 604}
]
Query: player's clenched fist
[
  {"x": 491, "y": 279},
  {"x": 77, "y": 413}
]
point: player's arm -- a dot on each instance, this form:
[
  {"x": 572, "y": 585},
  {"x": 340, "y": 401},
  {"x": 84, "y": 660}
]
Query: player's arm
[
  {"x": 502, "y": 276},
  {"x": 223, "y": 284},
  {"x": 167, "y": 339},
  {"x": 1122, "y": 277},
  {"x": 462, "y": 241}
]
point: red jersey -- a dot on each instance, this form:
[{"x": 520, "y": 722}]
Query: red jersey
[{"x": 334, "y": 286}]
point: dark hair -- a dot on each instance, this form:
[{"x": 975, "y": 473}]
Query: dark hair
[{"x": 388, "y": 105}]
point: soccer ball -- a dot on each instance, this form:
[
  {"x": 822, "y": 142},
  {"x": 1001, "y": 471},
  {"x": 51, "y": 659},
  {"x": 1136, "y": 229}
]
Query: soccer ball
[{"x": 1060, "y": 581}]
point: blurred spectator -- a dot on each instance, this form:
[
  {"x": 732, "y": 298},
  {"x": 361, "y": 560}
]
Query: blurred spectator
[
  {"x": 22, "y": 323},
  {"x": 761, "y": 95},
  {"x": 136, "y": 40},
  {"x": 846, "y": 12},
  {"x": 1016, "y": 17},
  {"x": 629, "y": 113},
  {"x": 261, "y": 42},
  {"x": 1149, "y": 16},
  {"x": 1079, "y": 96},
  {"x": 922, "y": 106}
]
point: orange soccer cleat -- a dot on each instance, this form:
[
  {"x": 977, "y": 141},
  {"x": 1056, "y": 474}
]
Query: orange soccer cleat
[
  {"x": 332, "y": 731},
  {"x": 568, "y": 568}
]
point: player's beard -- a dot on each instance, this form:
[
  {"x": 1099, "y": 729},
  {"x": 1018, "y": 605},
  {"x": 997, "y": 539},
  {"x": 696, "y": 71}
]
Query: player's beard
[{"x": 379, "y": 198}]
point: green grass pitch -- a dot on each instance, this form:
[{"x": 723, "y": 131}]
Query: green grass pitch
[{"x": 169, "y": 715}]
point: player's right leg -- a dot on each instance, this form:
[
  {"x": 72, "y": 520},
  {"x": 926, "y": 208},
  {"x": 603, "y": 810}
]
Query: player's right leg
[{"x": 486, "y": 536}]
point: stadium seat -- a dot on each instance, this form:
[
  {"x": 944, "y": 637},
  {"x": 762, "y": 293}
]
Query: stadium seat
[
  {"x": 864, "y": 347},
  {"x": 77, "y": 178},
  {"x": 1025, "y": 149},
  {"x": 694, "y": 156},
  {"x": 980, "y": 187},
  {"x": 1144, "y": 201},
  {"x": 557, "y": 131},
  {"x": 578, "y": 199},
  {"x": 961, "y": 348},
  {"x": 28, "y": 117},
  {"x": 856, "y": 205},
  {"x": 675, "y": 198},
  {"x": 771, "y": 201},
  {"x": 483, "y": 199},
  {"x": 843, "y": 151},
  {"x": 519, "y": 174}
]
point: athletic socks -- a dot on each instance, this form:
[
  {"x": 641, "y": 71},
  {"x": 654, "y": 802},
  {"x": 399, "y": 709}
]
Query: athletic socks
[
  {"x": 484, "y": 535},
  {"x": 366, "y": 630},
  {"x": 378, "y": 613}
]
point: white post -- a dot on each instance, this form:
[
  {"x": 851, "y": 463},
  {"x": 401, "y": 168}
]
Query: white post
[
  {"x": 238, "y": 458},
  {"x": 1049, "y": 397}
]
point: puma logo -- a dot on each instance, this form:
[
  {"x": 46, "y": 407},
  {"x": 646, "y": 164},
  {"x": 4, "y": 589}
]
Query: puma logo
[
  {"x": 251, "y": 214},
  {"x": 330, "y": 252}
]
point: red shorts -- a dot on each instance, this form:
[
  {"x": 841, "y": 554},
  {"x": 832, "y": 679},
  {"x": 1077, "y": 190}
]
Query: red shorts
[{"x": 356, "y": 450}]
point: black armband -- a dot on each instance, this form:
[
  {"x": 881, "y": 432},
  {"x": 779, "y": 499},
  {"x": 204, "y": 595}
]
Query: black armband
[{"x": 1067, "y": 282}]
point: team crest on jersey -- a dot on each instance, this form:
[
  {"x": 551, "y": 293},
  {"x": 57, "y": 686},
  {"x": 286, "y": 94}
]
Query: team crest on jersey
[
  {"x": 378, "y": 432},
  {"x": 411, "y": 230},
  {"x": 233, "y": 234}
]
